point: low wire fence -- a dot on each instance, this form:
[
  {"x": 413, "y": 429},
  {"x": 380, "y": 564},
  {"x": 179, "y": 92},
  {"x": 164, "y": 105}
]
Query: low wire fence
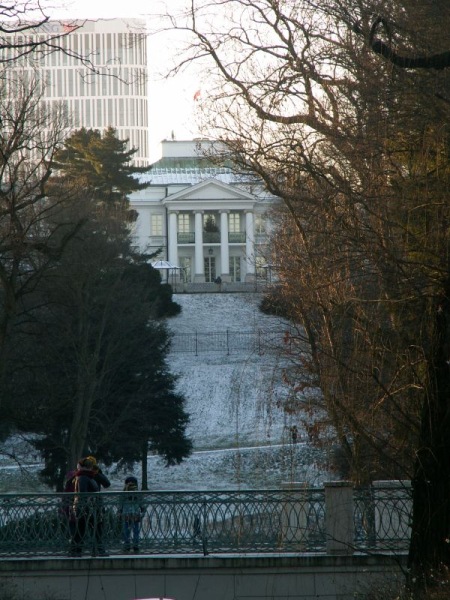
[
  {"x": 227, "y": 342},
  {"x": 265, "y": 521}
]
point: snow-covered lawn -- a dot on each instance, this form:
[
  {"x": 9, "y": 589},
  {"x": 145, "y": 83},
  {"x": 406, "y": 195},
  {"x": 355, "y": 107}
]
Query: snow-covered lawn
[
  {"x": 229, "y": 397},
  {"x": 240, "y": 439}
]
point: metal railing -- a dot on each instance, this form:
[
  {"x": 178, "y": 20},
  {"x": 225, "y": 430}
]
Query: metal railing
[
  {"x": 267, "y": 521},
  {"x": 228, "y": 342},
  {"x": 186, "y": 238},
  {"x": 236, "y": 237},
  {"x": 211, "y": 237}
]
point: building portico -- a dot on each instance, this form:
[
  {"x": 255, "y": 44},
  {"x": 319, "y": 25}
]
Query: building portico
[{"x": 202, "y": 220}]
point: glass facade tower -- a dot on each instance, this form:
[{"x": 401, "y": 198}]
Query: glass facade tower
[{"x": 107, "y": 86}]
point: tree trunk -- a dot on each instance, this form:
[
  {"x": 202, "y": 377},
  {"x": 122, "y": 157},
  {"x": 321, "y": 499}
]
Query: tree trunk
[
  {"x": 80, "y": 423},
  {"x": 144, "y": 483},
  {"x": 430, "y": 547}
]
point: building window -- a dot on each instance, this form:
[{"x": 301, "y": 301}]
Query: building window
[
  {"x": 156, "y": 225},
  {"x": 209, "y": 222},
  {"x": 210, "y": 268},
  {"x": 183, "y": 222},
  {"x": 211, "y": 233},
  {"x": 260, "y": 224},
  {"x": 88, "y": 113},
  {"x": 262, "y": 268},
  {"x": 235, "y": 268},
  {"x": 99, "y": 119},
  {"x": 186, "y": 268},
  {"x": 234, "y": 222}
]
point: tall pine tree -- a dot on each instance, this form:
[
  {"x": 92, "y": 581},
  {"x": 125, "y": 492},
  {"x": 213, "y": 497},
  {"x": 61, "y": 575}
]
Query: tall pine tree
[
  {"x": 99, "y": 378},
  {"x": 100, "y": 161}
]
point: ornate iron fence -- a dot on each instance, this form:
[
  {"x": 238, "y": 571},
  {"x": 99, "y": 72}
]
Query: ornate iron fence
[
  {"x": 382, "y": 516},
  {"x": 267, "y": 521}
]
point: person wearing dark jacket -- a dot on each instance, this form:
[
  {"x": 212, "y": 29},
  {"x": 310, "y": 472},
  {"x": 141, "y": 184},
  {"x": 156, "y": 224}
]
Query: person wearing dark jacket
[
  {"x": 86, "y": 507},
  {"x": 99, "y": 476},
  {"x": 66, "y": 511},
  {"x": 102, "y": 482}
]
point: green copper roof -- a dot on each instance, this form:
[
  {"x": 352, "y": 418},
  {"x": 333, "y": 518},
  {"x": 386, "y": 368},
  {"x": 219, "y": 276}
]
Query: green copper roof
[{"x": 190, "y": 162}]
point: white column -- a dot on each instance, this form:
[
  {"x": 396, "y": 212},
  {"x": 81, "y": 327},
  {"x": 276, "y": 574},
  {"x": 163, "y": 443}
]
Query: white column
[
  {"x": 249, "y": 246},
  {"x": 173, "y": 241},
  {"x": 199, "y": 274},
  {"x": 224, "y": 248}
]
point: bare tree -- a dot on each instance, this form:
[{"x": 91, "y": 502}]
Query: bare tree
[
  {"x": 28, "y": 35},
  {"x": 26, "y": 31},
  {"x": 403, "y": 58},
  {"x": 30, "y": 132},
  {"x": 29, "y": 137},
  {"x": 83, "y": 353},
  {"x": 357, "y": 147}
]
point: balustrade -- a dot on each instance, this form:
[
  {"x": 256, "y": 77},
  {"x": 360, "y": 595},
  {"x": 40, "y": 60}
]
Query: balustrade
[
  {"x": 211, "y": 237},
  {"x": 237, "y": 237},
  {"x": 297, "y": 519},
  {"x": 186, "y": 238}
]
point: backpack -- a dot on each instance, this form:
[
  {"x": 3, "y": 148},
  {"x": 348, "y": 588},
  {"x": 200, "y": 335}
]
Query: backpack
[
  {"x": 66, "y": 502},
  {"x": 70, "y": 485}
]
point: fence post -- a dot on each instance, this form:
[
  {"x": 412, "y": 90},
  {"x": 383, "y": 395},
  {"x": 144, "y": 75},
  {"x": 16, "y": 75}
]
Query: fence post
[
  {"x": 204, "y": 529},
  {"x": 339, "y": 527},
  {"x": 294, "y": 517}
]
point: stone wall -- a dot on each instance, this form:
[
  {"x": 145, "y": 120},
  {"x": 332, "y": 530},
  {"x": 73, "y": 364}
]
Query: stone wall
[
  {"x": 296, "y": 577},
  {"x": 215, "y": 288}
]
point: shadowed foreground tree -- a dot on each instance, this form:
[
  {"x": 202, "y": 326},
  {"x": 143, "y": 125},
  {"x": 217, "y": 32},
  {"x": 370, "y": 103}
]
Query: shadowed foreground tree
[
  {"x": 357, "y": 147},
  {"x": 87, "y": 368},
  {"x": 36, "y": 229},
  {"x": 29, "y": 136},
  {"x": 99, "y": 383}
]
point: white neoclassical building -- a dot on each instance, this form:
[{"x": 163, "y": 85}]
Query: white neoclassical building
[{"x": 210, "y": 223}]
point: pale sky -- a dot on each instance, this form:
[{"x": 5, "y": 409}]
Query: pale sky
[
  {"x": 171, "y": 102},
  {"x": 101, "y": 9}
]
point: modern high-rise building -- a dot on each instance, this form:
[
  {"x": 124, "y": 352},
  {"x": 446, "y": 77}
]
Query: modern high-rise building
[{"x": 107, "y": 86}]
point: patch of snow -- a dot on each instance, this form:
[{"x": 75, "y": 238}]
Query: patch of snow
[
  {"x": 240, "y": 439},
  {"x": 241, "y": 468},
  {"x": 229, "y": 397}
]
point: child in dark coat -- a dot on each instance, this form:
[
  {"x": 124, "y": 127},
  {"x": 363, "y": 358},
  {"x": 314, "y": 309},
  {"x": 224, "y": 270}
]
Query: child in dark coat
[{"x": 131, "y": 510}]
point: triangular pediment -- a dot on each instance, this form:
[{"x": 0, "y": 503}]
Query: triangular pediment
[{"x": 210, "y": 190}]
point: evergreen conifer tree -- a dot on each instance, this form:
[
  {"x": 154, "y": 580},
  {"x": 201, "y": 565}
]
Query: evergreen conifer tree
[{"x": 100, "y": 161}]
